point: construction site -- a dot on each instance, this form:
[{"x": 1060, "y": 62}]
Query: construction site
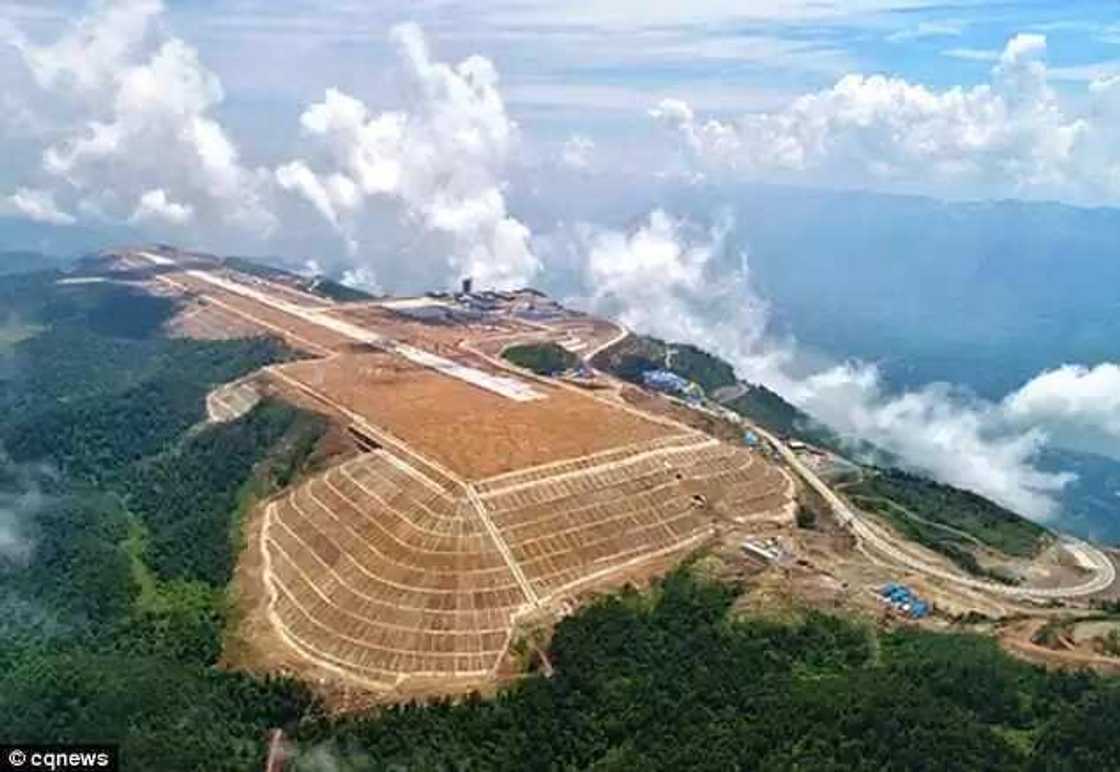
[
  {"x": 468, "y": 505},
  {"x": 473, "y": 504}
]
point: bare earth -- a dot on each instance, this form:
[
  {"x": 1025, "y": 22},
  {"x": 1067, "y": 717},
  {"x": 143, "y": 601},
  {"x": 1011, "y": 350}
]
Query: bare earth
[
  {"x": 448, "y": 523},
  {"x": 460, "y": 518}
]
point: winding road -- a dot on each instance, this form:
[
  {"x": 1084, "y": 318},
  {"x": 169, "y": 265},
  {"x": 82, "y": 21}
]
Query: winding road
[{"x": 871, "y": 535}]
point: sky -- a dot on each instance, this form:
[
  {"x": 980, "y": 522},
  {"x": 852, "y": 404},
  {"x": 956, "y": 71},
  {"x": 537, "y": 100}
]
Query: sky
[{"x": 404, "y": 145}]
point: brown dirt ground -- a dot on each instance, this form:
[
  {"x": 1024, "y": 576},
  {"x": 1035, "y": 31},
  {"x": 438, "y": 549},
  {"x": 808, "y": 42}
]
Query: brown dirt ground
[
  {"x": 659, "y": 405},
  {"x": 300, "y": 333},
  {"x": 1017, "y": 638},
  {"x": 471, "y": 431}
]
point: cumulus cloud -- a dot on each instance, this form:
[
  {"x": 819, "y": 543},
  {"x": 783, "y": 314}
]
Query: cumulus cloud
[
  {"x": 661, "y": 277},
  {"x": 1011, "y": 136},
  {"x": 155, "y": 206},
  {"x": 135, "y": 116},
  {"x": 35, "y": 205},
  {"x": 1078, "y": 406},
  {"x": 658, "y": 277},
  {"x": 440, "y": 160},
  {"x": 413, "y": 193},
  {"x": 89, "y": 56}
]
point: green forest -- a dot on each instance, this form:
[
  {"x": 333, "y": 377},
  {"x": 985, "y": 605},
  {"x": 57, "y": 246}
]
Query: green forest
[
  {"x": 113, "y": 612},
  {"x": 113, "y": 608}
]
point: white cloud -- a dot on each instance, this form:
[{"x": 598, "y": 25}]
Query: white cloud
[
  {"x": 88, "y": 57},
  {"x": 937, "y": 430},
  {"x": 21, "y": 502},
  {"x": 16, "y": 513},
  {"x": 134, "y": 116},
  {"x": 658, "y": 276},
  {"x": 441, "y": 161},
  {"x": 577, "y": 151},
  {"x": 927, "y": 29},
  {"x": 36, "y": 205},
  {"x": 1078, "y": 406},
  {"x": 972, "y": 54},
  {"x": 155, "y": 207},
  {"x": 1010, "y": 137},
  {"x": 363, "y": 279}
]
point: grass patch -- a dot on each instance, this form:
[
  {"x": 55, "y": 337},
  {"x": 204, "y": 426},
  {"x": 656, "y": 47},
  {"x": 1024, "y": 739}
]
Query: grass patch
[{"x": 541, "y": 358}]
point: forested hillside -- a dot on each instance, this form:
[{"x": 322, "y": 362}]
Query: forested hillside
[
  {"x": 118, "y": 530},
  {"x": 668, "y": 681},
  {"x": 897, "y": 494},
  {"x": 638, "y": 353}
]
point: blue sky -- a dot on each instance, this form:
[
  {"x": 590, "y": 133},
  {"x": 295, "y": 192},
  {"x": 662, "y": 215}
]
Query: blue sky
[
  {"x": 596, "y": 67},
  {"x": 561, "y": 59},
  {"x": 725, "y": 55}
]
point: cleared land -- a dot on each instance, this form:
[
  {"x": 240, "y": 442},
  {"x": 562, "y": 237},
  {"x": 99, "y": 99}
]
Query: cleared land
[
  {"x": 469, "y": 511},
  {"x": 568, "y": 523},
  {"x": 472, "y": 432},
  {"x": 383, "y": 574},
  {"x": 230, "y": 402},
  {"x": 207, "y": 321}
]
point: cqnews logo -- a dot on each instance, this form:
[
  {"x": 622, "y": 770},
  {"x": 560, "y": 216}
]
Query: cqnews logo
[{"x": 58, "y": 758}]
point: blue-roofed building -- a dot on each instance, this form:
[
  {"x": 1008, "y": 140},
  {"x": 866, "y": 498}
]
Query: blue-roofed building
[
  {"x": 905, "y": 601},
  {"x": 663, "y": 380}
]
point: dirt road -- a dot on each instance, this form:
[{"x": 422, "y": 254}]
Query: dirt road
[{"x": 1092, "y": 559}]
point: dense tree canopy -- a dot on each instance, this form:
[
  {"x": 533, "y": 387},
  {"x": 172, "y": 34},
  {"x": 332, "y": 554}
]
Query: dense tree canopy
[
  {"x": 668, "y": 681},
  {"x": 112, "y": 612}
]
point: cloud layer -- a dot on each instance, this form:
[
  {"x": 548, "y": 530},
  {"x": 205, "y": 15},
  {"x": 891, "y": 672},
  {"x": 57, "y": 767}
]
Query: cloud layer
[
  {"x": 1012, "y": 136},
  {"x": 938, "y": 430},
  {"x": 1078, "y": 406}
]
